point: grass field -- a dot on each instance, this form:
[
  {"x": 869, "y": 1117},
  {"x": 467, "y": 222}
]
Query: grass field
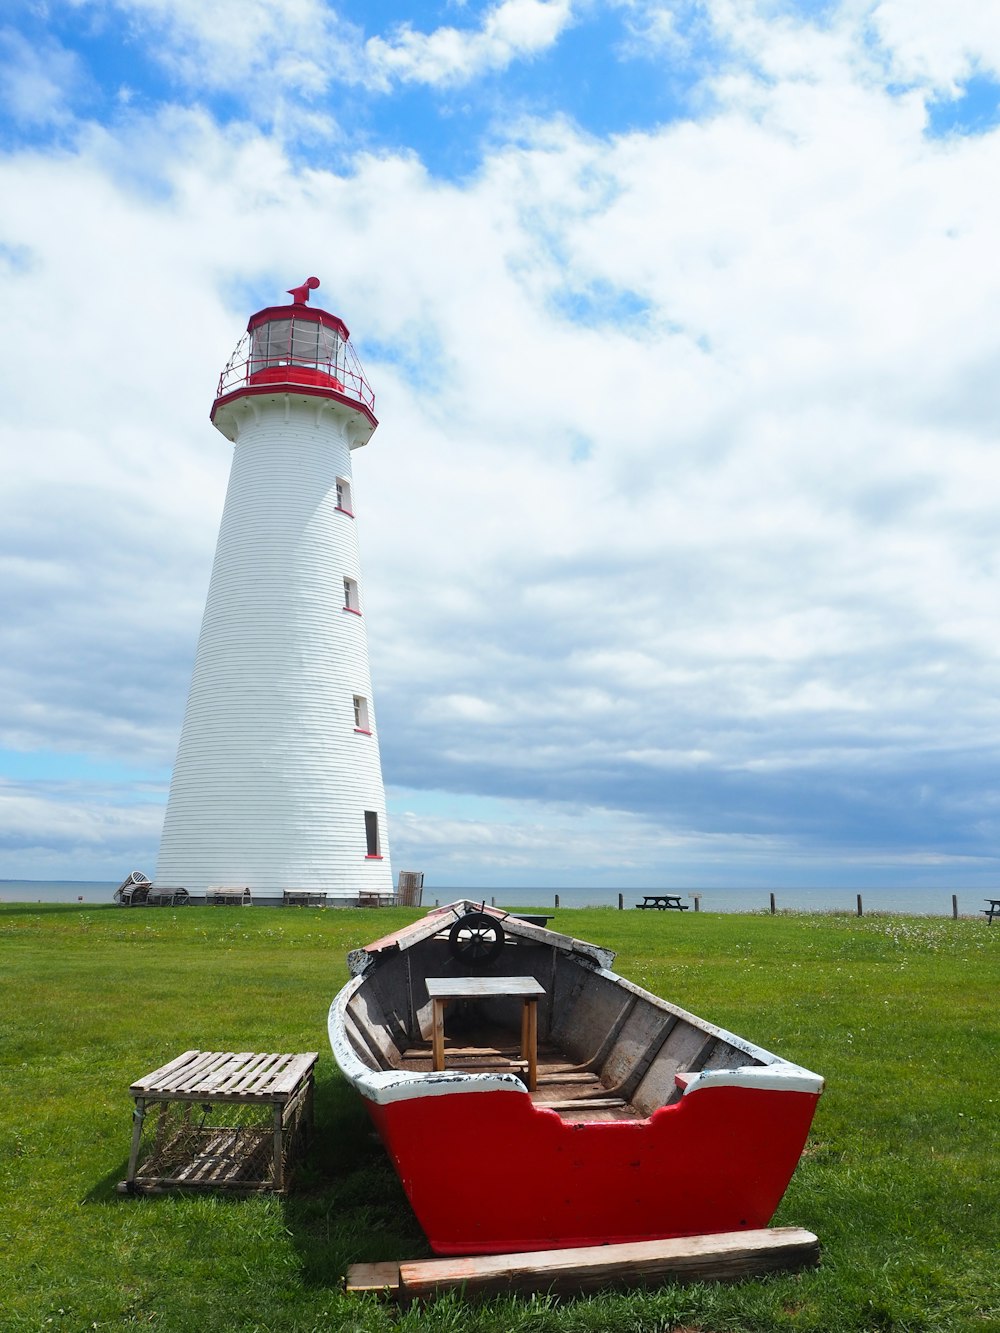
[{"x": 900, "y": 1180}]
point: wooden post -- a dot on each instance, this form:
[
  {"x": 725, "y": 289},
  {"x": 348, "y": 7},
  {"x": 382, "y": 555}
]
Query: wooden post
[
  {"x": 772, "y": 905},
  {"x": 493, "y": 902},
  {"x": 437, "y": 1034},
  {"x": 529, "y": 1040},
  {"x": 138, "y": 1115},
  {"x": 621, "y": 902},
  {"x": 697, "y": 901},
  {"x": 860, "y": 909},
  {"x": 279, "y": 1173},
  {"x": 954, "y": 906},
  {"x": 557, "y": 901}
]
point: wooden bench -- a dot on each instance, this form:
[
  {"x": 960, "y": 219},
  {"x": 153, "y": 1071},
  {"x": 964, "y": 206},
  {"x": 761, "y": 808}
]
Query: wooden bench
[
  {"x": 662, "y": 902},
  {"x": 187, "y": 1153},
  {"x": 303, "y": 898},
  {"x": 218, "y": 896},
  {"x": 991, "y": 911}
]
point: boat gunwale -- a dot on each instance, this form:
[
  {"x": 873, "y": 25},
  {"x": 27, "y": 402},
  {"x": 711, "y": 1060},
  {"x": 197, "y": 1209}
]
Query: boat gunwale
[{"x": 772, "y": 1073}]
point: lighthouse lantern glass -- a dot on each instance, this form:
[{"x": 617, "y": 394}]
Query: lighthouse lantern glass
[{"x": 297, "y": 342}]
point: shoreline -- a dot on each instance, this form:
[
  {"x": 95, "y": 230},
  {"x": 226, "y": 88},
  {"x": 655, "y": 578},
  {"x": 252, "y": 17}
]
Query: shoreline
[{"x": 966, "y": 904}]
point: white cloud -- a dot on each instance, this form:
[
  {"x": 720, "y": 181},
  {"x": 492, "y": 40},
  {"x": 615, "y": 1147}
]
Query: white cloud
[
  {"x": 275, "y": 54},
  {"x": 78, "y": 831},
  {"x": 35, "y": 81},
  {"x": 939, "y": 42},
  {"x": 448, "y": 56},
  {"x": 262, "y": 50}
]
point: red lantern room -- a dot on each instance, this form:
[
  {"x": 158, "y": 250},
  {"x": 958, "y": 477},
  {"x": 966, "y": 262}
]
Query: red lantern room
[{"x": 300, "y": 349}]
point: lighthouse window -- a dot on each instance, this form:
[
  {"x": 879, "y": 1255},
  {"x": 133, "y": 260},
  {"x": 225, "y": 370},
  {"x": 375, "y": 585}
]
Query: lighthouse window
[
  {"x": 371, "y": 832},
  {"x": 300, "y": 342},
  {"x": 351, "y": 601},
  {"x": 361, "y": 714},
  {"x": 344, "y": 495},
  {"x": 270, "y": 343}
]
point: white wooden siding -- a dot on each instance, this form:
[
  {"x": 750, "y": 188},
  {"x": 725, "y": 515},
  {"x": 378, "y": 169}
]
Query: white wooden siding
[{"x": 271, "y": 780}]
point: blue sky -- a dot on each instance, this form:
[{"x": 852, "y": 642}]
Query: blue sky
[{"x": 679, "y": 528}]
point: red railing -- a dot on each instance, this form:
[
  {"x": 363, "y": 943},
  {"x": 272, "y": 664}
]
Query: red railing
[{"x": 345, "y": 375}]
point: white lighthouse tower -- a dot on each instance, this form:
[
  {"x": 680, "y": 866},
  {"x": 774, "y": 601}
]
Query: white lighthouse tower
[{"x": 278, "y": 780}]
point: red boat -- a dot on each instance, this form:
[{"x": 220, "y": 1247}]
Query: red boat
[{"x": 530, "y": 1098}]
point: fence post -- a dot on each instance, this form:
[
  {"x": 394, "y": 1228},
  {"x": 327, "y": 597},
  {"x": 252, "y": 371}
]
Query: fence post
[
  {"x": 954, "y": 906},
  {"x": 772, "y": 905},
  {"x": 860, "y": 909},
  {"x": 697, "y": 901},
  {"x": 557, "y": 901},
  {"x": 621, "y": 902}
]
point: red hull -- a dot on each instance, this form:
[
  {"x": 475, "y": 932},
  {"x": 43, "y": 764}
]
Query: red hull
[{"x": 488, "y": 1173}]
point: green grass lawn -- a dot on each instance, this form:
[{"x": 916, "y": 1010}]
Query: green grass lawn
[{"x": 900, "y": 1180}]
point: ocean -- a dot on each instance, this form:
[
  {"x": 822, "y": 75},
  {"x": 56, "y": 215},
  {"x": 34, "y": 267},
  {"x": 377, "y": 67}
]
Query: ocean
[{"x": 919, "y": 901}]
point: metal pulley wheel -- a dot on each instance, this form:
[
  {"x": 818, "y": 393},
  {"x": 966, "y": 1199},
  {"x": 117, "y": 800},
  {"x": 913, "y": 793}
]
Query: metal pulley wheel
[{"x": 476, "y": 939}]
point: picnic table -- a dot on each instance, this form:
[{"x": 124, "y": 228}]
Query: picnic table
[
  {"x": 993, "y": 909},
  {"x": 662, "y": 902}
]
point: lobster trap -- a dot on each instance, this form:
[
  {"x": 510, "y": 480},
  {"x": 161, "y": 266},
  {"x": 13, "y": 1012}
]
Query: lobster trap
[{"x": 217, "y": 1120}]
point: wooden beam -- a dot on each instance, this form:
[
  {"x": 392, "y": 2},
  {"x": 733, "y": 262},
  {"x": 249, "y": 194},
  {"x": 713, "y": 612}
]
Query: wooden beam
[
  {"x": 726, "y": 1257},
  {"x": 380, "y": 1278}
]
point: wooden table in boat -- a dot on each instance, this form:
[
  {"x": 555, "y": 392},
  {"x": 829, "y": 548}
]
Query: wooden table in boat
[
  {"x": 443, "y": 989},
  {"x": 663, "y": 901}
]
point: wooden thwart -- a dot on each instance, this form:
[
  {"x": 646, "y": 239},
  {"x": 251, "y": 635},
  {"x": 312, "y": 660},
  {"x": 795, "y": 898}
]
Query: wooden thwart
[{"x": 725, "y": 1257}]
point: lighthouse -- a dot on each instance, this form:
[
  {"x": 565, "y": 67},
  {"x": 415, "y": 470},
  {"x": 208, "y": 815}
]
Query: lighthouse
[{"x": 277, "y": 784}]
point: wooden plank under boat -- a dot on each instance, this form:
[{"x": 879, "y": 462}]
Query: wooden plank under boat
[
  {"x": 718, "y": 1258},
  {"x": 646, "y": 1122}
]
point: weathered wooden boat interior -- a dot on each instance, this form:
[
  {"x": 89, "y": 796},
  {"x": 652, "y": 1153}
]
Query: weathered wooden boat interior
[{"x": 607, "y": 1050}]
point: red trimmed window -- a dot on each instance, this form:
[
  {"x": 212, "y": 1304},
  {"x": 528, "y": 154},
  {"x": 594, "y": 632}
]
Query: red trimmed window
[
  {"x": 371, "y": 835},
  {"x": 344, "y": 501},
  {"x": 361, "y": 722}
]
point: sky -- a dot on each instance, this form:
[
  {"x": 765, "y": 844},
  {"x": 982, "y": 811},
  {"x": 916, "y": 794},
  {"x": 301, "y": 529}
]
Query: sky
[{"x": 679, "y": 530}]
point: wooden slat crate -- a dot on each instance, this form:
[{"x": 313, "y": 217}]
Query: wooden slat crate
[{"x": 263, "y": 1100}]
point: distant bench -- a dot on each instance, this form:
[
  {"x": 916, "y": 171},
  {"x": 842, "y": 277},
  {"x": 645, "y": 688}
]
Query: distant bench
[
  {"x": 993, "y": 909},
  {"x": 217, "y": 896},
  {"x": 662, "y": 902}
]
